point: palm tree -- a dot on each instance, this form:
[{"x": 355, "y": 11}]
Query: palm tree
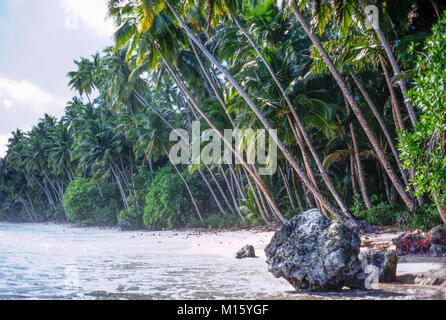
[
  {"x": 97, "y": 142},
  {"x": 82, "y": 80}
]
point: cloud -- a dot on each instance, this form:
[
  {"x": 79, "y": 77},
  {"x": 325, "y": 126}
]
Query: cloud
[
  {"x": 7, "y": 103},
  {"x": 22, "y": 104},
  {"x": 27, "y": 94},
  {"x": 36, "y": 52},
  {"x": 92, "y": 12}
]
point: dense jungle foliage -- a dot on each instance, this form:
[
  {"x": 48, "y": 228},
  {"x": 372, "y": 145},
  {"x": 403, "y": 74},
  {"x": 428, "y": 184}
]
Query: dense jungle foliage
[{"x": 360, "y": 114}]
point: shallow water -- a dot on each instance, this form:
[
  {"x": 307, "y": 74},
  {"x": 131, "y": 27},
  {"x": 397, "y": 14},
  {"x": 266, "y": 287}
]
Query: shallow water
[{"x": 40, "y": 261}]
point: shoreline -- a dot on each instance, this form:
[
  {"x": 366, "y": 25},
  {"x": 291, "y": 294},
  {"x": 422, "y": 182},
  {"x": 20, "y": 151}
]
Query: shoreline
[
  {"x": 272, "y": 227},
  {"x": 226, "y": 242}
]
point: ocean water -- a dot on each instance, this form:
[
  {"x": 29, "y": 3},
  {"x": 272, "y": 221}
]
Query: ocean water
[{"x": 39, "y": 261}]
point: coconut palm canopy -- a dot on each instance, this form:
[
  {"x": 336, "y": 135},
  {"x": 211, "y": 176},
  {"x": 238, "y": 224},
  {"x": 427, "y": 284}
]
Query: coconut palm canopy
[{"x": 338, "y": 93}]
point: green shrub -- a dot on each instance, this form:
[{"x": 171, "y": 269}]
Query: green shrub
[
  {"x": 425, "y": 219},
  {"x": 290, "y": 213},
  {"x": 384, "y": 214},
  {"x": 168, "y": 203},
  {"x": 83, "y": 203},
  {"x": 423, "y": 150},
  {"x": 249, "y": 209}
]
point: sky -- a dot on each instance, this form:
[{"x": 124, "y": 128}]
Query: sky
[{"x": 39, "y": 41}]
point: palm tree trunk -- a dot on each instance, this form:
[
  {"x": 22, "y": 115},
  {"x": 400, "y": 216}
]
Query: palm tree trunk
[
  {"x": 396, "y": 70},
  {"x": 357, "y": 111},
  {"x": 362, "y": 184},
  {"x": 212, "y": 84},
  {"x": 389, "y": 192},
  {"x": 441, "y": 208},
  {"x": 260, "y": 204},
  {"x": 45, "y": 191},
  {"x": 100, "y": 190},
  {"x": 214, "y": 196},
  {"x": 399, "y": 123},
  {"x": 23, "y": 202},
  {"x": 306, "y": 161},
  {"x": 287, "y": 187},
  {"x": 50, "y": 197},
  {"x": 122, "y": 174},
  {"x": 238, "y": 186},
  {"x": 214, "y": 178},
  {"x": 208, "y": 78},
  {"x": 231, "y": 191},
  {"x": 437, "y": 12},
  {"x": 382, "y": 125},
  {"x": 118, "y": 181},
  {"x": 296, "y": 193},
  {"x": 139, "y": 97},
  {"x": 353, "y": 175},
  {"x": 233, "y": 174},
  {"x": 56, "y": 192},
  {"x": 34, "y": 212},
  {"x": 398, "y": 119}
]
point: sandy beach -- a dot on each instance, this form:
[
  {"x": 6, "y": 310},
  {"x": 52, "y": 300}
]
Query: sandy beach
[{"x": 227, "y": 242}]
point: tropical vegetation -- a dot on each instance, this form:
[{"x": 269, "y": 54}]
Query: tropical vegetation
[{"x": 359, "y": 112}]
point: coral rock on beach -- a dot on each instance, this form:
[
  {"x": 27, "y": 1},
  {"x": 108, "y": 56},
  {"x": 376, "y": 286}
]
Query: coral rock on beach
[
  {"x": 314, "y": 253},
  {"x": 246, "y": 252}
]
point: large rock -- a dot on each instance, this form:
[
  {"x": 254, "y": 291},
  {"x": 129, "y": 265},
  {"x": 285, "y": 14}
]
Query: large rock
[
  {"x": 246, "y": 252},
  {"x": 438, "y": 235},
  {"x": 314, "y": 253},
  {"x": 379, "y": 265}
]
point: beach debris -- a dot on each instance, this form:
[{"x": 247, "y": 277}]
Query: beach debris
[
  {"x": 376, "y": 245},
  {"x": 246, "y": 252},
  {"x": 314, "y": 253},
  {"x": 432, "y": 278}
]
